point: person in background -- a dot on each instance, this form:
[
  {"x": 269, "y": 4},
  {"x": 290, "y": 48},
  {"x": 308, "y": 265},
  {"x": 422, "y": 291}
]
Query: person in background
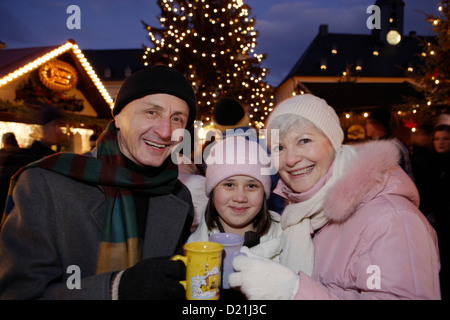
[
  {"x": 9, "y": 142},
  {"x": 238, "y": 190},
  {"x": 189, "y": 174},
  {"x": 93, "y": 140},
  {"x": 441, "y": 139},
  {"x": 421, "y": 144},
  {"x": 229, "y": 114},
  {"x": 12, "y": 158},
  {"x": 381, "y": 125},
  {"x": 113, "y": 217},
  {"x": 51, "y": 119},
  {"x": 433, "y": 182},
  {"x": 352, "y": 229}
]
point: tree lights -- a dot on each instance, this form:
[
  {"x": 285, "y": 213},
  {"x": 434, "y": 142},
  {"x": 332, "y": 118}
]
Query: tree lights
[
  {"x": 433, "y": 77},
  {"x": 213, "y": 43}
]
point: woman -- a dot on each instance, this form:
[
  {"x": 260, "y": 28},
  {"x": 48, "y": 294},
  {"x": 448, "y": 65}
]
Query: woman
[
  {"x": 352, "y": 229},
  {"x": 433, "y": 182},
  {"x": 433, "y": 178}
]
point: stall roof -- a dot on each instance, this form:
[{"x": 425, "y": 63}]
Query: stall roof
[
  {"x": 15, "y": 63},
  {"x": 117, "y": 61}
]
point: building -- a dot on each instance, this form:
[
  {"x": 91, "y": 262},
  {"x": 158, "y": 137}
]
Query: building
[
  {"x": 113, "y": 66},
  {"x": 356, "y": 73},
  {"x": 60, "y": 76}
]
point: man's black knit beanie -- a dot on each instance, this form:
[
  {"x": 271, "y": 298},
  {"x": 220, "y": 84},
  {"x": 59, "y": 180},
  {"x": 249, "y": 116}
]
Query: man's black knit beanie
[{"x": 157, "y": 79}]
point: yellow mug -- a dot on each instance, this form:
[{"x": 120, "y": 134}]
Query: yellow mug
[{"x": 203, "y": 262}]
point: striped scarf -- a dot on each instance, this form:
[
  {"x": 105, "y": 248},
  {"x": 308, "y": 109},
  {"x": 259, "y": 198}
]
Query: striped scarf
[{"x": 120, "y": 244}]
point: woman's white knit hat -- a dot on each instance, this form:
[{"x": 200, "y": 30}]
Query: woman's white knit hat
[{"x": 315, "y": 110}]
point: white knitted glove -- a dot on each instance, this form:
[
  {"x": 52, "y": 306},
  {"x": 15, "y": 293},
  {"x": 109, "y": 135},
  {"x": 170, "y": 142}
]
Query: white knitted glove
[
  {"x": 246, "y": 251},
  {"x": 263, "y": 279}
]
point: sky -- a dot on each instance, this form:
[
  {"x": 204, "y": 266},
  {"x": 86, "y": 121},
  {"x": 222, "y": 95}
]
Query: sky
[{"x": 286, "y": 27}]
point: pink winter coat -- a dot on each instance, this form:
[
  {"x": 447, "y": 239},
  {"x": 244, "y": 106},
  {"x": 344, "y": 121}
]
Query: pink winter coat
[{"x": 377, "y": 245}]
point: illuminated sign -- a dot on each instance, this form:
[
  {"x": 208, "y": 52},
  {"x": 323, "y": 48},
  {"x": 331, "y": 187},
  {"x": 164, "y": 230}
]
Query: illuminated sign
[{"x": 58, "y": 75}]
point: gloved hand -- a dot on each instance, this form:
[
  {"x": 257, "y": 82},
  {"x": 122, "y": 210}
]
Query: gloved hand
[
  {"x": 263, "y": 279},
  {"x": 246, "y": 251},
  {"x": 153, "y": 279}
]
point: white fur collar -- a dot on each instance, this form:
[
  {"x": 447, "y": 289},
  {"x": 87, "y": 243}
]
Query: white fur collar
[{"x": 365, "y": 178}]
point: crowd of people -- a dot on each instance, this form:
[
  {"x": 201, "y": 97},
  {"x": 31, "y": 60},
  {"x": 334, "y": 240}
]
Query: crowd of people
[
  {"x": 13, "y": 157},
  {"x": 332, "y": 221}
]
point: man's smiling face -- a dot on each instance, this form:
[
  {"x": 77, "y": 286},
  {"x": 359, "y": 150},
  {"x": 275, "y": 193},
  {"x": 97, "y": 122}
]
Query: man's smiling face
[{"x": 146, "y": 126}]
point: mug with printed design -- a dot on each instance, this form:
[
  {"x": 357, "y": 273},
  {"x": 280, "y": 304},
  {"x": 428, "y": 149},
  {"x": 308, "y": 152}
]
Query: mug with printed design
[{"x": 203, "y": 262}]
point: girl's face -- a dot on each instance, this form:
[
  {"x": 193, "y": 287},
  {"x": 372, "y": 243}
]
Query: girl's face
[
  {"x": 238, "y": 199},
  {"x": 303, "y": 157}
]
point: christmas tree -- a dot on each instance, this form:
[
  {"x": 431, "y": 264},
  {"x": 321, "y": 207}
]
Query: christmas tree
[
  {"x": 433, "y": 75},
  {"x": 213, "y": 43}
]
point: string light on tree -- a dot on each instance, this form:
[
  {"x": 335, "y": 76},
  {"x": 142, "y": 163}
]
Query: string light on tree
[
  {"x": 213, "y": 43},
  {"x": 433, "y": 77}
]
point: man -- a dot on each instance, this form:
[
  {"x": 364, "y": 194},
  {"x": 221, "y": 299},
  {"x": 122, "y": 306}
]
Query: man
[
  {"x": 104, "y": 226},
  {"x": 12, "y": 158}
]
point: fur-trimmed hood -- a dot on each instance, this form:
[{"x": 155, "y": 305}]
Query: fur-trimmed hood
[{"x": 375, "y": 170}]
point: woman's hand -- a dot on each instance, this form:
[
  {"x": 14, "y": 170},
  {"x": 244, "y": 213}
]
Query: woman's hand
[{"x": 263, "y": 279}]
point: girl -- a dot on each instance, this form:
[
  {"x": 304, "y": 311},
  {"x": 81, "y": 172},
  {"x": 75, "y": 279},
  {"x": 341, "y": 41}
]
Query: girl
[{"x": 237, "y": 189}]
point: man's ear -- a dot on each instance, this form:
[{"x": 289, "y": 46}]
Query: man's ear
[{"x": 117, "y": 120}]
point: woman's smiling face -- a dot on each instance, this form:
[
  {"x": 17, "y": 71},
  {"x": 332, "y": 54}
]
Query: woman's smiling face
[{"x": 303, "y": 156}]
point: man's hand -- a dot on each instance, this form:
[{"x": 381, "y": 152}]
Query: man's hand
[{"x": 153, "y": 279}]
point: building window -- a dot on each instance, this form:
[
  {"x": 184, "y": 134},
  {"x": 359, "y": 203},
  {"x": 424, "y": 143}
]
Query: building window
[
  {"x": 334, "y": 49},
  {"x": 107, "y": 73},
  {"x": 127, "y": 72}
]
